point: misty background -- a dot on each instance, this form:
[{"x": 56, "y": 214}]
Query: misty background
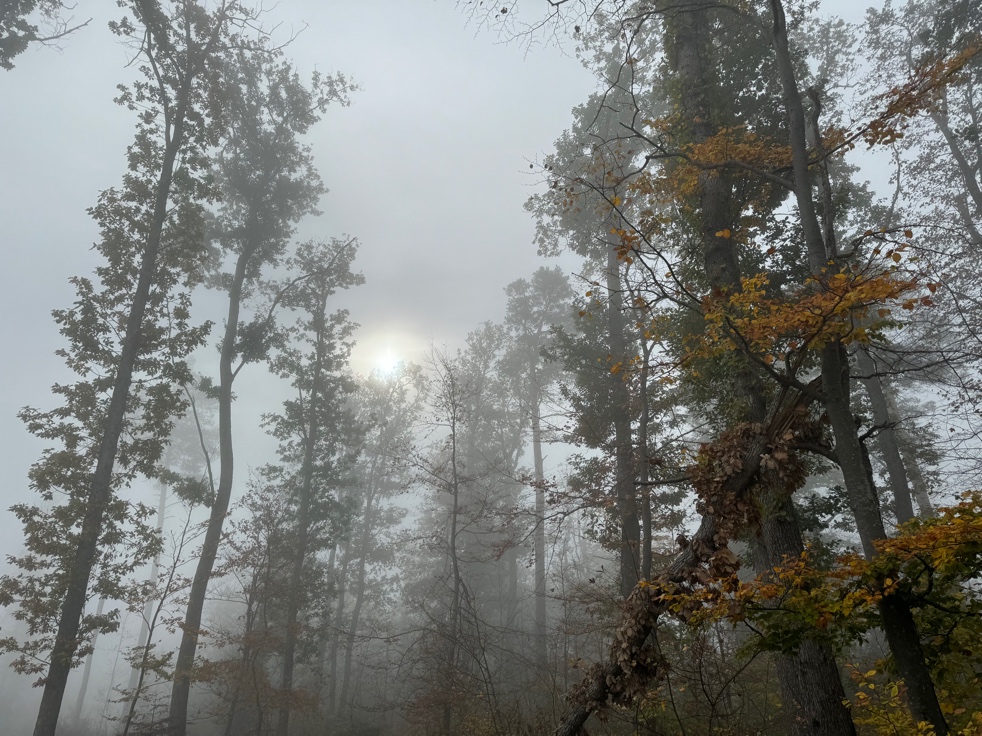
[{"x": 429, "y": 167}]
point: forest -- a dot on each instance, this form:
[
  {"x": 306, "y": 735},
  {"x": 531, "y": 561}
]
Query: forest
[{"x": 713, "y": 467}]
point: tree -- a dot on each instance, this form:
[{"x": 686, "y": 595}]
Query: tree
[
  {"x": 296, "y": 508},
  {"x": 449, "y": 396},
  {"x": 895, "y": 612},
  {"x": 318, "y": 437},
  {"x": 591, "y": 229},
  {"x": 934, "y": 46},
  {"x": 715, "y": 164},
  {"x": 535, "y": 308},
  {"x": 268, "y": 184},
  {"x": 809, "y": 678},
  {"x": 463, "y": 593},
  {"x": 254, "y": 557},
  {"x": 128, "y": 335},
  {"x": 388, "y": 407},
  {"x": 671, "y": 212},
  {"x": 186, "y": 476}
]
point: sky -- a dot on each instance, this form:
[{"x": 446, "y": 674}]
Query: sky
[{"x": 428, "y": 167}]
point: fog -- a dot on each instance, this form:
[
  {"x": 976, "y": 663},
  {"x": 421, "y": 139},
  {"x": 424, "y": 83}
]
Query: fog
[{"x": 477, "y": 453}]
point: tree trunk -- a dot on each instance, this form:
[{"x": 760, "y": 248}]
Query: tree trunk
[
  {"x": 191, "y": 628},
  {"x": 87, "y": 671},
  {"x": 895, "y": 614},
  {"x": 968, "y": 172},
  {"x": 624, "y": 491},
  {"x": 332, "y": 657},
  {"x": 898, "y": 622},
  {"x": 326, "y": 625},
  {"x": 454, "y": 625},
  {"x": 809, "y": 679},
  {"x": 811, "y": 687},
  {"x": 908, "y": 452},
  {"x": 887, "y": 437},
  {"x": 295, "y": 594},
  {"x": 644, "y": 462},
  {"x": 541, "y": 651},
  {"x": 365, "y": 547}
]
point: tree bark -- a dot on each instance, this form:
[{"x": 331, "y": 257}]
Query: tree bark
[
  {"x": 898, "y": 622},
  {"x": 541, "y": 650},
  {"x": 191, "y": 628},
  {"x": 887, "y": 437},
  {"x": 643, "y": 461},
  {"x": 624, "y": 490},
  {"x": 809, "y": 678}
]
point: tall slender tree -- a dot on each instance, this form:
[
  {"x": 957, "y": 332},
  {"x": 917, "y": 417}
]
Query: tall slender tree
[
  {"x": 128, "y": 334},
  {"x": 536, "y": 307},
  {"x": 319, "y": 438},
  {"x": 268, "y": 184},
  {"x": 388, "y": 406},
  {"x": 895, "y": 611}
]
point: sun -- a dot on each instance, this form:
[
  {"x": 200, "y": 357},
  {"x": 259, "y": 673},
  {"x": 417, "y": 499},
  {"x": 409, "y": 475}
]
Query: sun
[
  {"x": 385, "y": 351},
  {"x": 387, "y": 363}
]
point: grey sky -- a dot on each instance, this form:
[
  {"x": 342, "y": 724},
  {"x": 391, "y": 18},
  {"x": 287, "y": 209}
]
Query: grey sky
[{"x": 428, "y": 167}]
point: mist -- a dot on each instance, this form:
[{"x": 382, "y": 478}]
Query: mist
[{"x": 439, "y": 368}]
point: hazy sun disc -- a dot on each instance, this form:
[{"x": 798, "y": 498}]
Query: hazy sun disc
[{"x": 387, "y": 363}]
